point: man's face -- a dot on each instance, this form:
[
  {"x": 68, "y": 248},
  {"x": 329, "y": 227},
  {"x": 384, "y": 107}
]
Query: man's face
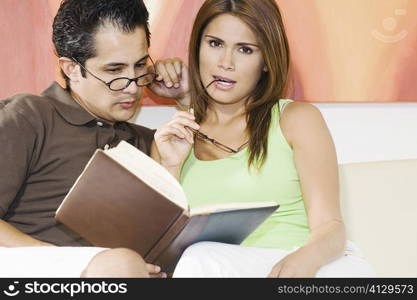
[{"x": 118, "y": 54}]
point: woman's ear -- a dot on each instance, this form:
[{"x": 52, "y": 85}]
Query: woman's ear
[
  {"x": 69, "y": 67},
  {"x": 265, "y": 69}
]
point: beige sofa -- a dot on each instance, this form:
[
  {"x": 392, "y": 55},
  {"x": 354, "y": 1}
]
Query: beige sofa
[{"x": 379, "y": 205}]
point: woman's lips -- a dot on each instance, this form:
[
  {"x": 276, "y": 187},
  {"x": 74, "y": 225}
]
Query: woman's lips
[
  {"x": 224, "y": 86},
  {"x": 223, "y": 83}
]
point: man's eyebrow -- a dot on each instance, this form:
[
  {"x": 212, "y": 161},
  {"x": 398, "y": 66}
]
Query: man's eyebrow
[
  {"x": 117, "y": 64},
  {"x": 240, "y": 44}
]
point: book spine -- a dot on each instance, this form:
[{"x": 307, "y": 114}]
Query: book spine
[{"x": 166, "y": 240}]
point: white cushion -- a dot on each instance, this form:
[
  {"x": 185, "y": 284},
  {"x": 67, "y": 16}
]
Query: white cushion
[{"x": 379, "y": 206}]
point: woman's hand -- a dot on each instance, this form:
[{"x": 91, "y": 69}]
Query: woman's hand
[
  {"x": 297, "y": 264},
  {"x": 172, "y": 80},
  {"x": 174, "y": 140}
]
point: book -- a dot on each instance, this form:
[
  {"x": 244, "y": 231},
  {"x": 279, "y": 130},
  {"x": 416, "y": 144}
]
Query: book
[{"x": 123, "y": 198}]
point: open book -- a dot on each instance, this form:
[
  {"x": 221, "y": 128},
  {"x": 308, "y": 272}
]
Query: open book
[{"x": 124, "y": 198}]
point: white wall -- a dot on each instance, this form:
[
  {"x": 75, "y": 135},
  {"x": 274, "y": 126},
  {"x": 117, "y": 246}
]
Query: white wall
[{"x": 361, "y": 131}]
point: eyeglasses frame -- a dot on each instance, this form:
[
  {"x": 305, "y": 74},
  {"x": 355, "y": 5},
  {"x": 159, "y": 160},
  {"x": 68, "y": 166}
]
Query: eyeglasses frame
[
  {"x": 219, "y": 145},
  {"x": 135, "y": 80}
]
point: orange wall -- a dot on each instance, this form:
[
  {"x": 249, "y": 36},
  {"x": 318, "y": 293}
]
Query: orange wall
[
  {"x": 26, "y": 60},
  {"x": 356, "y": 50}
]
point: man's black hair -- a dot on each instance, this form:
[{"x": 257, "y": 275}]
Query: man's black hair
[{"x": 77, "y": 21}]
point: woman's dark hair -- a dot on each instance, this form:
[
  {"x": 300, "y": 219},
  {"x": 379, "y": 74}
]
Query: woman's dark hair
[
  {"x": 77, "y": 21},
  {"x": 264, "y": 19}
]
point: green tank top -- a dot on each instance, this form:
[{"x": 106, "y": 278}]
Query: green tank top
[{"x": 229, "y": 180}]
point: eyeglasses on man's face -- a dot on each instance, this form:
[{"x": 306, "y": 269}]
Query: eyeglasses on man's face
[{"x": 121, "y": 83}]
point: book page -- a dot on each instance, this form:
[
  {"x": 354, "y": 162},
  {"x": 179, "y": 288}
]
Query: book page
[
  {"x": 206, "y": 209},
  {"x": 149, "y": 171}
]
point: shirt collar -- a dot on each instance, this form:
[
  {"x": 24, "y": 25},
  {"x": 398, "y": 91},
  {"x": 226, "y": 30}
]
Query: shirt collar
[
  {"x": 66, "y": 106},
  {"x": 74, "y": 114}
]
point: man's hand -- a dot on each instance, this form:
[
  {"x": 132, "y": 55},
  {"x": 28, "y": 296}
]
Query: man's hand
[
  {"x": 172, "y": 80},
  {"x": 155, "y": 271}
]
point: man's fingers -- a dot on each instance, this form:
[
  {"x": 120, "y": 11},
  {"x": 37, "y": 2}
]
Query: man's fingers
[
  {"x": 169, "y": 71},
  {"x": 163, "y": 73},
  {"x": 173, "y": 76},
  {"x": 155, "y": 271},
  {"x": 159, "y": 275},
  {"x": 178, "y": 66},
  {"x": 153, "y": 268}
]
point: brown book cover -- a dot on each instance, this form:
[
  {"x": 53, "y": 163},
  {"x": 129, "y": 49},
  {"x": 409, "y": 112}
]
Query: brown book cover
[{"x": 123, "y": 198}]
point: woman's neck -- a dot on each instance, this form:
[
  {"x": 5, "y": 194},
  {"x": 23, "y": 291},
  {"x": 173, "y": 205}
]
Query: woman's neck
[{"x": 224, "y": 114}]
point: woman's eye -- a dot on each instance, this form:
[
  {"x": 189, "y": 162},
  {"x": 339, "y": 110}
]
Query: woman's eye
[
  {"x": 246, "y": 50},
  {"x": 214, "y": 43}
]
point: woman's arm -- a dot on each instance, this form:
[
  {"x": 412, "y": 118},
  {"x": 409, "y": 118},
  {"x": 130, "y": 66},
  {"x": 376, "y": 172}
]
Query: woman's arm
[
  {"x": 173, "y": 142},
  {"x": 175, "y": 170},
  {"x": 316, "y": 163}
]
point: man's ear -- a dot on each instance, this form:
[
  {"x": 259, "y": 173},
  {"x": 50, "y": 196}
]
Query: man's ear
[{"x": 70, "y": 68}]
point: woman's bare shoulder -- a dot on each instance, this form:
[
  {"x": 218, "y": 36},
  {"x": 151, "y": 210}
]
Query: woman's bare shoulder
[{"x": 301, "y": 118}]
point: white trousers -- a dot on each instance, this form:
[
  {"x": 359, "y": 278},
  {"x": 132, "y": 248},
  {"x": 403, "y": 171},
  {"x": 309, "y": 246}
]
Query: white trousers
[
  {"x": 210, "y": 259},
  {"x": 45, "y": 261}
]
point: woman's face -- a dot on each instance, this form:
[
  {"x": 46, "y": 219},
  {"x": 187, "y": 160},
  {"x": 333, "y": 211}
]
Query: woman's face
[{"x": 231, "y": 55}]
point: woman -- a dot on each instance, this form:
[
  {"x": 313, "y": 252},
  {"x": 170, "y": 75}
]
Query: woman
[{"x": 243, "y": 143}]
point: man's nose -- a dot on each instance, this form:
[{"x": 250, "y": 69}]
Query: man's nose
[{"x": 132, "y": 88}]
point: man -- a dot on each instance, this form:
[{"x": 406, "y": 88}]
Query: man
[{"x": 47, "y": 140}]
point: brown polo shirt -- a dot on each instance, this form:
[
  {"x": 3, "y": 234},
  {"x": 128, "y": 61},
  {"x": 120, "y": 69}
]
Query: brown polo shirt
[{"x": 45, "y": 142}]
